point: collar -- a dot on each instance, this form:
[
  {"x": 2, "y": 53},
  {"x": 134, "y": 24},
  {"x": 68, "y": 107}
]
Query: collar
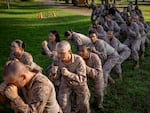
[{"x": 28, "y": 86}]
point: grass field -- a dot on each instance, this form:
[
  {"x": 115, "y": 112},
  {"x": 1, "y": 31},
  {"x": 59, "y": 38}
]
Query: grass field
[{"x": 20, "y": 22}]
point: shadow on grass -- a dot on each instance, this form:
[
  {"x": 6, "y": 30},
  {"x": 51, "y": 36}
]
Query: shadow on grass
[
  {"x": 24, "y": 5},
  {"x": 129, "y": 96}
]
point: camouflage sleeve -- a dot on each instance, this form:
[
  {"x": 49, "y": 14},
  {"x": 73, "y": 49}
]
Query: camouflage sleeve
[
  {"x": 101, "y": 33},
  {"x": 134, "y": 31},
  {"x": 48, "y": 52},
  {"x": 27, "y": 59},
  {"x": 38, "y": 100},
  {"x": 115, "y": 44},
  {"x": 78, "y": 41},
  {"x": 117, "y": 28},
  {"x": 11, "y": 56},
  {"x": 101, "y": 51},
  {"x": 80, "y": 74},
  {"x": 97, "y": 67},
  {"x": 4, "y": 99}
]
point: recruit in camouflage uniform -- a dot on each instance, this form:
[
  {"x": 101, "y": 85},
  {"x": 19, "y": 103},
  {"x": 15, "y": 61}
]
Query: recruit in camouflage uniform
[
  {"x": 38, "y": 92},
  {"x": 77, "y": 38},
  {"x": 95, "y": 73},
  {"x": 122, "y": 49},
  {"x": 107, "y": 54},
  {"x": 73, "y": 79},
  {"x": 100, "y": 31},
  {"x": 133, "y": 41},
  {"x": 24, "y": 57},
  {"x": 109, "y": 24}
]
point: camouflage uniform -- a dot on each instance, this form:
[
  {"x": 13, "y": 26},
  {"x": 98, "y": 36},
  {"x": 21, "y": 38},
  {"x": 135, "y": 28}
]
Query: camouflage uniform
[
  {"x": 123, "y": 51},
  {"x": 80, "y": 39},
  {"x": 95, "y": 72},
  {"x": 143, "y": 36},
  {"x": 27, "y": 59},
  {"x": 117, "y": 18},
  {"x": 49, "y": 49},
  {"x": 133, "y": 40},
  {"x": 76, "y": 83},
  {"x": 39, "y": 96},
  {"x": 108, "y": 55},
  {"x": 100, "y": 32},
  {"x": 112, "y": 25}
]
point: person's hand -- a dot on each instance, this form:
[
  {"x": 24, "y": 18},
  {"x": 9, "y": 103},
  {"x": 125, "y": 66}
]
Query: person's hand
[
  {"x": 54, "y": 69},
  {"x": 44, "y": 43},
  {"x": 54, "y": 53},
  {"x": 65, "y": 72},
  {"x": 11, "y": 92},
  {"x": 2, "y": 87}
]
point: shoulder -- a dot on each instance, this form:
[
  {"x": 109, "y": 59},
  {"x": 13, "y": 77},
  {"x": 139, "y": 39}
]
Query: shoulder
[
  {"x": 77, "y": 58},
  {"x": 41, "y": 80},
  {"x": 26, "y": 54},
  {"x": 94, "y": 56}
]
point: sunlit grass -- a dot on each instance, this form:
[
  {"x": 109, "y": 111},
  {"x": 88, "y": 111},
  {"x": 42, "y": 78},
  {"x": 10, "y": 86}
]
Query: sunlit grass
[{"x": 21, "y": 22}]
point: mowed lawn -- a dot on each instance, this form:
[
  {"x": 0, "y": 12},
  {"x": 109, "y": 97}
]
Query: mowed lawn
[{"x": 20, "y": 22}]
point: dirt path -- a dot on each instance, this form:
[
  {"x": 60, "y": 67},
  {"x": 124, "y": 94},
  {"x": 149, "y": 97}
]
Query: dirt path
[{"x": 78, "y": 10}]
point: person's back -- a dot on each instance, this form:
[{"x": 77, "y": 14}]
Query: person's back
[
  {"x": 40, "y": 87},
  {"x": 80, "y": 39},
  {"x": 38, "y": 92},
  {"x": 85, "y": 40},
  {"x": 27, "y": 59}
]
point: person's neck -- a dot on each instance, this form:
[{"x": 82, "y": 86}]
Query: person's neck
[
  {"x": 95, "y": 41},
  {"x": 29, "y": 78}
]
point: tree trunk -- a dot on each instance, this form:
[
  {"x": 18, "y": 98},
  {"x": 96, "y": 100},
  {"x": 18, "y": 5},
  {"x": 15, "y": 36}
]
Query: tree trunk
[
  {"x": 107, "y": 1},
  {"x": 102, "y": 1},
  {"x": 114, "y": 1},
  {"x": 136, "y": 2},
  {"x": 8, "y": 4}
]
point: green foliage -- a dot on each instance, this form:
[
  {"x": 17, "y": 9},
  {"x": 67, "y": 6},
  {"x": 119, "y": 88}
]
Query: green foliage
[{"x": 21, "y": 22}]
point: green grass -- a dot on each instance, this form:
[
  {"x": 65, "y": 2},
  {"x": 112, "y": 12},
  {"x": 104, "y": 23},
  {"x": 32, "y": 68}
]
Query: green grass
[{"x": 20, "y": 22}]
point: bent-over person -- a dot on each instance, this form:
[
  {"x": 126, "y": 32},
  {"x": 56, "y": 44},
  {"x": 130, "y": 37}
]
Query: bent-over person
[{"x": 38, "y": 92}]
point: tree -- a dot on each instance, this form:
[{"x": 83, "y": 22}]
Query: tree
[
  {"x": 8, "y": 4},
  {"x": 136, "y": 2}
]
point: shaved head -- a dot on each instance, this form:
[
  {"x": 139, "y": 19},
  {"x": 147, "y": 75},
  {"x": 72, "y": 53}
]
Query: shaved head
[
  {"x": 13, "y": 69},
  {"x": 63, "y": 46},
  {"x": 64, "y": 51}
]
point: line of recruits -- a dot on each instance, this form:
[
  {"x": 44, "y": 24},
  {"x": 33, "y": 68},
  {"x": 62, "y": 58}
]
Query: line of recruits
[{"x": 65, "y": 89}]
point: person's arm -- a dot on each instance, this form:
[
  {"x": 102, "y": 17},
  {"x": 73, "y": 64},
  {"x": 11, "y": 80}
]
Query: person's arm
[
  {"x": 78, "y": 76},
  {"x": 101, "y": 50},
  {"x": 3, "y": 99},
  {"x": 117, "y": 28},
  {"x": 46, "y": 49},
  {"x": 38, "y": 99},
  {"x": 97, "y": 67},
  {"x": 133, "y": 30},
  {"x": 115, "y": 43}
]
